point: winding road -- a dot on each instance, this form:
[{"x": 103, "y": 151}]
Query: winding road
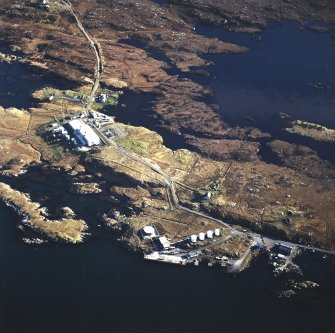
[
  {"x": 98, "y": 70},
  {"x": 270, "y": 242}
]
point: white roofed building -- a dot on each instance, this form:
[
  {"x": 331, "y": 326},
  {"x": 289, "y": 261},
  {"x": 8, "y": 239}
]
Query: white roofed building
[
  {"x": 84, "y": 133},
  {"x": 164, "y": 242},
  {"x": 149, "y": 232}
]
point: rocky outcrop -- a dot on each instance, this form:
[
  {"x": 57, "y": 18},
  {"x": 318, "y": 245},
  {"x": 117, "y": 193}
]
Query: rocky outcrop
[
  {"x": 85, "y": 188},
  {"x": 66, "y": 213},
  {"x": 315, "y": 131},
  {"x": 33, "y": 215}
]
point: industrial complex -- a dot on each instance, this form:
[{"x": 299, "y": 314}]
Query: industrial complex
[
  {"x": 83, "y": 133},
  {"x": 192, "y": 250},
  {"x": 181, "y": 252},
  {"x": 80, "y": 130}
]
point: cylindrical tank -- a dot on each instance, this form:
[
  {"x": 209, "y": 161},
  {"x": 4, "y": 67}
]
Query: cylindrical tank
[
  {"x": 194, "y": 238},
  {"x": 149, "y": 230},
  {"x": 210, "y": 234},
  {"x": 202, "y": 236},
  {"x": 217, "y": 232}
]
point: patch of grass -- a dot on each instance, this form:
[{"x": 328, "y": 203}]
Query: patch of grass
[
  {"x": 75, "y": 94},
  {"x": 112, "y": 99},
  {"x": 47, "y": 92},
  {"x": 136, "y": 146},
  {"x": 96, "y": 106}
]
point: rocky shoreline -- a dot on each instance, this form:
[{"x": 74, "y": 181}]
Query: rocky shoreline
[
  {"x": 35, "y": 217},
  {"x": 243, "y": 187},
  {"x": 315, "y": 131}
]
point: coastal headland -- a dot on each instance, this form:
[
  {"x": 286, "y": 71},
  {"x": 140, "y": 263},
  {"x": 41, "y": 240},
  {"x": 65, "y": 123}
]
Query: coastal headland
[{"x": 218, "y": 181}]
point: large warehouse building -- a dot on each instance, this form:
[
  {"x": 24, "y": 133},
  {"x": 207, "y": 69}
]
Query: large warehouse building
[{"x": 84, "y": 134}]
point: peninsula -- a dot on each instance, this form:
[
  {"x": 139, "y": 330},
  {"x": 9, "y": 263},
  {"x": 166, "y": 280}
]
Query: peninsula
[{"x": 215, "y": 199}]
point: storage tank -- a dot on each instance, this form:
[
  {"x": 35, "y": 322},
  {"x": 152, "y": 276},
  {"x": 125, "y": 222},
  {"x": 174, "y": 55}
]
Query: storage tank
[
  {"x": 202, "y": 236},
  {"x": 210, "y": 234},
  {"x": 194, "y": 238},
  {"x": 217, "y": 232},
  {"x": 149, "y": 230}
]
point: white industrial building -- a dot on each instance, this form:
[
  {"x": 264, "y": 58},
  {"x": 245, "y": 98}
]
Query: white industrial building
[
  {"x": 84, "y": 134},
  {"x": 149, "y": 232},
  {"x": 173, "y": 259},
  {"x": 164, "y": 242}
]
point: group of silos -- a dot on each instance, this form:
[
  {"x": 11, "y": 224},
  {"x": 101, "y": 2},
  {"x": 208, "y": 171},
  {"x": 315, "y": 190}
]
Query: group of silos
[{"x": 202, "y": 235}]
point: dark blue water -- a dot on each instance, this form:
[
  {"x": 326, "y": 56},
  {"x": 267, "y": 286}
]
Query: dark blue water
[
  {"x": 254, "y": 88},
  {"x": 100, "y": 287},
  {"x": 273, "y": 77},
  {"x": 161, "y": 2},
  {"x": 135, "y": 108},
  {"x": 18, "y": 82}
]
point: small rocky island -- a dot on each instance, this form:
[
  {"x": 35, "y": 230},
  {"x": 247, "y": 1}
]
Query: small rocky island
[{"x": 315, "y": 131}]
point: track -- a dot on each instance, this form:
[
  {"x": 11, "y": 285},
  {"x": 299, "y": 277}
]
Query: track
[
  {"x": 98, "y": 70},
  {"x": 154, "y": 167},
  {"x": 170, "y": 185}
]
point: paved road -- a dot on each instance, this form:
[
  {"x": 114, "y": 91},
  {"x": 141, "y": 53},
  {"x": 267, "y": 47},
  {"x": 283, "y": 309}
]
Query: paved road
[
  {"x": 174, "y": 197},
  {"x": 269, "y": 242},
  {"x": 154, "y": 167},
  {"x": 150, "y": 165}
]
